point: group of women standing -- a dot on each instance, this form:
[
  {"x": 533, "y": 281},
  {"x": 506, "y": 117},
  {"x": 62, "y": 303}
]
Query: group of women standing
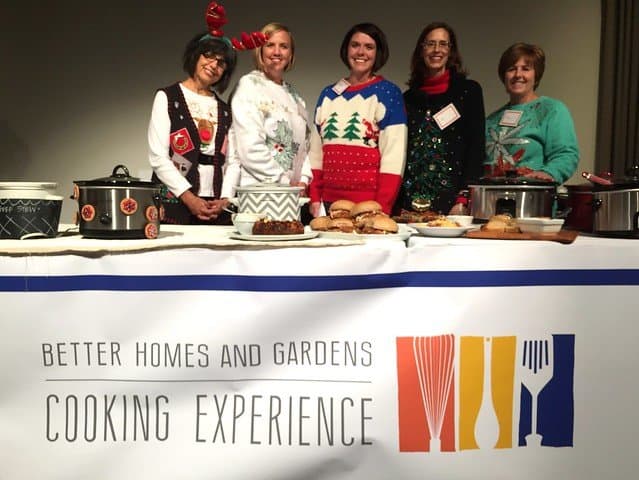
[{"x": 366, "y": 139}]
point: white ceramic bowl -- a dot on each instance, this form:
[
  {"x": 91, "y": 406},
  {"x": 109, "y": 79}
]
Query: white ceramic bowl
[
  {"x": 244, "y": 221},
  {"x": 540, "y": 224},
  {"x": 462, "y": 220}
]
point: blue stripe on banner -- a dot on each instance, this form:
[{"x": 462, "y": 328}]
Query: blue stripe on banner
[{"x": 501, "y": 278}]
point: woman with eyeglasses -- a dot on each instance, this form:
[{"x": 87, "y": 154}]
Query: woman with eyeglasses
[
  {"x": 188, "y": 130},
  {"x": 270, "y": 136},
  {"x": 358, "y": 149},
  {"x": 446, "y": 134},
  {"x": 531, "y": 136}
]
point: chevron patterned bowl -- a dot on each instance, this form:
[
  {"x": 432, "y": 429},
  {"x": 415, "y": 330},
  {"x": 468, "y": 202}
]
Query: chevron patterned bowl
[{"x": 276, "y": 201}]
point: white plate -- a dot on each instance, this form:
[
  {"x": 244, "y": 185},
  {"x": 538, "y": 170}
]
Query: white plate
[
  {"x": 274, "y": 238},
  {"x": 402, "y": 235},
  {"x": 424, "y": 229}
]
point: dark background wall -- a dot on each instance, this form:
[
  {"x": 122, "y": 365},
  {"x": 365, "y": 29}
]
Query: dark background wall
[{"x": 77, "y": 78}]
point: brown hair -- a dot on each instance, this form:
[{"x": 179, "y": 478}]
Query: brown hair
[
  {"x": 268, "y": 30},
  {"x": 533, "y": 53},
  {"x": 376, "y": 33},
  {"x": 417, "y": 65}
]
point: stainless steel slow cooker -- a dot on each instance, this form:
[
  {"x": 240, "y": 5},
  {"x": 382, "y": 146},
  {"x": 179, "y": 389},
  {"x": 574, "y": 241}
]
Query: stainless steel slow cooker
[
  {"x": 616, "y": 206},
  {"x": 119, "y": 206},
  {"x": 277, "y": 201},
  {"x": 29, "y": 209},
  {"x": 518, "y": 196}
]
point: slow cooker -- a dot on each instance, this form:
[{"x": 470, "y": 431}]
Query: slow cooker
[
  {"x": 616, "y": 206},
  {"x": 29, "y": 209},
  {"x": 118, "y": 206},
  {"x": 519, "y": 197},
  {"x": 274, "y": 200}
]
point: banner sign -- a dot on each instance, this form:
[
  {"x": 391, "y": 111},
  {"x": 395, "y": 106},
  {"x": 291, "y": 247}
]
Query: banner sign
[{"x": 278, "y": 381}]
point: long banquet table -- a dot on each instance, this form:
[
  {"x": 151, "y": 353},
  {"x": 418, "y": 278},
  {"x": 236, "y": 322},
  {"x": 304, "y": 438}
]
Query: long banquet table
[{"x": 197, "y": 356}]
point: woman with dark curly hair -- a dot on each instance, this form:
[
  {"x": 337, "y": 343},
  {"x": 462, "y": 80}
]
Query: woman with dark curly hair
[
  {"x": 446, "y": 134},
  {"x": 188, "y": 132}
]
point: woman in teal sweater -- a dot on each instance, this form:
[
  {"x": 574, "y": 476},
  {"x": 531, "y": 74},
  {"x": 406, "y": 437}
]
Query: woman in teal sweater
[{"x": 531, "y": 135}]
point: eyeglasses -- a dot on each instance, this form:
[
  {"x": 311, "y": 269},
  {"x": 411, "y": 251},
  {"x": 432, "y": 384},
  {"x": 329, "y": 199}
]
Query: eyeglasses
[
  {"x": 219, "y": 59},
  {"x": 432, "y": 44}
]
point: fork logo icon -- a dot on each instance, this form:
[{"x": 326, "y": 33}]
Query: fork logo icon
[{"x": 537, "y": 372}]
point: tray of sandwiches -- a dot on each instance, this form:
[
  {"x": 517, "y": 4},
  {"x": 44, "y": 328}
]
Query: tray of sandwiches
[
  {"x": 505, "y": 227},
  {"x": 363, "y": 220}
]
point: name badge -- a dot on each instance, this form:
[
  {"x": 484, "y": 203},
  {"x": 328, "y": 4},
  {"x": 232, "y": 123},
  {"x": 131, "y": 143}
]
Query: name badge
[
  {"x": 446, "y": 116},
  {"x": 510, "y": 118},
  {"x": 340, "y": 86}
]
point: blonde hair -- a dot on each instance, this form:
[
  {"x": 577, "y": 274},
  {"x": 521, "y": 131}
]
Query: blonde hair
[{"x": 268, "y": 30}]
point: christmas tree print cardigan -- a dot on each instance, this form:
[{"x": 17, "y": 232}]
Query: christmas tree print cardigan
[{"x": 358, "y": 149}]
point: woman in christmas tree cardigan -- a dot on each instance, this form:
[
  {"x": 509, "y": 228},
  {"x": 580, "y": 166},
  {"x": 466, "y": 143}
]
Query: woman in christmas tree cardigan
[
  {"x": 359, "y": 140},
  {"x": 445, "y": 124},
  {"x": 531, "y": 135}
]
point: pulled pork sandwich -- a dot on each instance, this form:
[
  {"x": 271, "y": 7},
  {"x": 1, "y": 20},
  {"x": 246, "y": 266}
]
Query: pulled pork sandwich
[
  {"x": 341, "y": 224},
  {"x": 378, "y": 225},
  {"x": 362, "y": 210},
  {"x": 320, "y": 223},
  {"x": 340, "y": 209}
]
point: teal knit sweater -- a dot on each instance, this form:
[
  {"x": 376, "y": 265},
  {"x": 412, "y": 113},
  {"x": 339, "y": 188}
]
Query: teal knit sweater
[{"x": 543, "y": 140}]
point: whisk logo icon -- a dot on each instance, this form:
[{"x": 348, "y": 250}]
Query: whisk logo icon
[{"x": 474, "y": 392}]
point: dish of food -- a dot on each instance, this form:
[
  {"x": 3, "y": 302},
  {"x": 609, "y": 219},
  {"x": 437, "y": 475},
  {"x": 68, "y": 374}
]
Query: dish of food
[
  {"x": 540, "y": 224},
  {"x": 403, "y": 233},
  {"x": 425, "y": 229},
  {"x": 274, "y": 238}
]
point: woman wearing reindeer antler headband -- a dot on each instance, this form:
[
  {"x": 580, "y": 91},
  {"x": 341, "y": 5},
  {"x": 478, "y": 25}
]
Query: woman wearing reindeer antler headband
[
  {"x": 270, "y": 135},
  {"x": 188, "y": 131}
]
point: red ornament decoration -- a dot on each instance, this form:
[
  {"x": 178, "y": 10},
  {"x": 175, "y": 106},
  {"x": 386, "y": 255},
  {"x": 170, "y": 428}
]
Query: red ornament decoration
[
  {"x": 215, "y": 17},
  {"x": 87, "y": 213},
  {"x": 128, "y": 206}
]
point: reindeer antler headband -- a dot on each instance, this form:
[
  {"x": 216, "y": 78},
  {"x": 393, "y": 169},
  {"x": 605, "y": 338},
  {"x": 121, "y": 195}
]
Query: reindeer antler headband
[{"x": 216, "y": 18}]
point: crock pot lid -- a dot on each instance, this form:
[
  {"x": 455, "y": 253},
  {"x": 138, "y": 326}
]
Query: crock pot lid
[
  {"x": 28, "y": 185},
  {"x": 273, "y": 186},
  {"x": 119, "y": 177},
  {"x": 628, "y": 181},
  {"x": 508, "y": 180}
]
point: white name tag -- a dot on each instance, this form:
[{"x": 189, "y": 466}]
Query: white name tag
[
  {"x": 510, "y": 118},
  {"x": 340, "y": 86},
  {"x": 446, "y": 116}
]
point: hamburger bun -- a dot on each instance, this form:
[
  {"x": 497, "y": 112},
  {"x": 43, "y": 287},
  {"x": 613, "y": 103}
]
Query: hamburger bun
[
  {"x": 341, "y": 224},
  {"x": 320, "y": 223},
  {"x": 340, "y": 209},
  {"x": 379, "y": 225},
  {"x": 367, "y": 207}
]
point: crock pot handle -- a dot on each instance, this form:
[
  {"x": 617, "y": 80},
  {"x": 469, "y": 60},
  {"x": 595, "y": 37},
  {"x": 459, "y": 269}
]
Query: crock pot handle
[
  {"x": 234, "y": 201},
  {"x": 596, "y": 204},
  {"x": 635, "y": 222},
  {"x": 303, "y": 201}
]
